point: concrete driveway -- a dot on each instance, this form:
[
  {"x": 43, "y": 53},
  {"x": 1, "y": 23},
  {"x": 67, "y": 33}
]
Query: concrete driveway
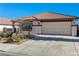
[{"x": 41, "y": 48}]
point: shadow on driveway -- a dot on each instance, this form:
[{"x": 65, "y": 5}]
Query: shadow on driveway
[{"x": 55, "y": 39}]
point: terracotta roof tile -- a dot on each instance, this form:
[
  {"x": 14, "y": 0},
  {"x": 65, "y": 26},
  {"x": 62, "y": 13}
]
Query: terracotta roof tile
[
  {"x": 49, "y": 16},
  {"x": 24, "y": 19},
  {"x": 5, "y": 21}
]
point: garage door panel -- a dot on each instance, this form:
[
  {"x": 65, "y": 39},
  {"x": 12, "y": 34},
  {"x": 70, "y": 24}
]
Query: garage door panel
[{"x": 56, "y": 28}]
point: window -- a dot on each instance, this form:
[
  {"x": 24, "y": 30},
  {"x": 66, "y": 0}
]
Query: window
[{"x": 27, "y": 25}]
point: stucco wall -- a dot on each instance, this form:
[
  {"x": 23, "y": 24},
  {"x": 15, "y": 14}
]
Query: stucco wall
[
  {"x": 58, "y": 28},
  {"x": 36, "y": 30},
  {"x": 74, "y": 30}
]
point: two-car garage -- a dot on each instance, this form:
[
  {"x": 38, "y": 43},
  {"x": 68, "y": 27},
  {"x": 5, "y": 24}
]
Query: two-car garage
[{"x": 57, "y": 28}]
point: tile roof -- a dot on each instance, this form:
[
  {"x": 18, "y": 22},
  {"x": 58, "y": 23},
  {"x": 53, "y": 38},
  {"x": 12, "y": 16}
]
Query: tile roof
[
  {"x": 24, "y": 19},
  {"x": 50, "y": 16},
  {"x": 5, "y": 21}
]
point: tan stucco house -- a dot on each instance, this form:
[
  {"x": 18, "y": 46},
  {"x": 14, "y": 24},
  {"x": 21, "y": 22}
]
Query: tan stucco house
[{"x": 52, "y": 23}]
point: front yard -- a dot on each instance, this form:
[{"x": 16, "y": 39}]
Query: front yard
[{"x": 41, "y": 48}]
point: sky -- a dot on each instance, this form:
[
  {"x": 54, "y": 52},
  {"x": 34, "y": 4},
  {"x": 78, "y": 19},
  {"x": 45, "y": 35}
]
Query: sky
[{"x": 18, "y": 10}]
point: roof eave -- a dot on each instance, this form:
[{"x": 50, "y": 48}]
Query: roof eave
[{"x": 55, "y": 20}]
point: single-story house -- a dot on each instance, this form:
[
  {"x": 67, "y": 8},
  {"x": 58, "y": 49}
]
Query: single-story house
[
  {"x": 52, "y": 23},
  {"x": 5, "y": 23}
]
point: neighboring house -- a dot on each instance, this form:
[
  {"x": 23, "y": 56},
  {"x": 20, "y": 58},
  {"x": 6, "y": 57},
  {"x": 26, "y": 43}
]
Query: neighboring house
[
  {"x": 52, "y": 23},
  {"x": 5, "y": 23}
]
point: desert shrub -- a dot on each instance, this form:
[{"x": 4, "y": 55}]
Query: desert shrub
[
  {"x": 7, "y": 34},
  {"x": 6, "y": 40},
  {"x": 21, "y": 35},
  {"x": 0, "y": 38},
  {"x": 9, "y": 40},
  {"x": 18, "y": 37},
  {"x": 14, "y": 37},
  {"x": 9, "y": 37},
  {"x": 1, "y": 34}
]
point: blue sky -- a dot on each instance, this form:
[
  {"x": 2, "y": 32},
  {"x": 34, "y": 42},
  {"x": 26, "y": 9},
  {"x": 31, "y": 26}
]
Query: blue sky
[{"x": 18, "y": 10}]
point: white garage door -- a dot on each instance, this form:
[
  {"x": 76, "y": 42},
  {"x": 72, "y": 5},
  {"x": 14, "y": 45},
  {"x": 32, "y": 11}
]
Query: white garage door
[{"x": 58, "y": 28}]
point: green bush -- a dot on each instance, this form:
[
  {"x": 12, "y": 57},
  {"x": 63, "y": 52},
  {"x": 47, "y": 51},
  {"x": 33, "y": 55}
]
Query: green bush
[
  {"x": 7, "y": 34},
  {"x": 1, "y": 34}
]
